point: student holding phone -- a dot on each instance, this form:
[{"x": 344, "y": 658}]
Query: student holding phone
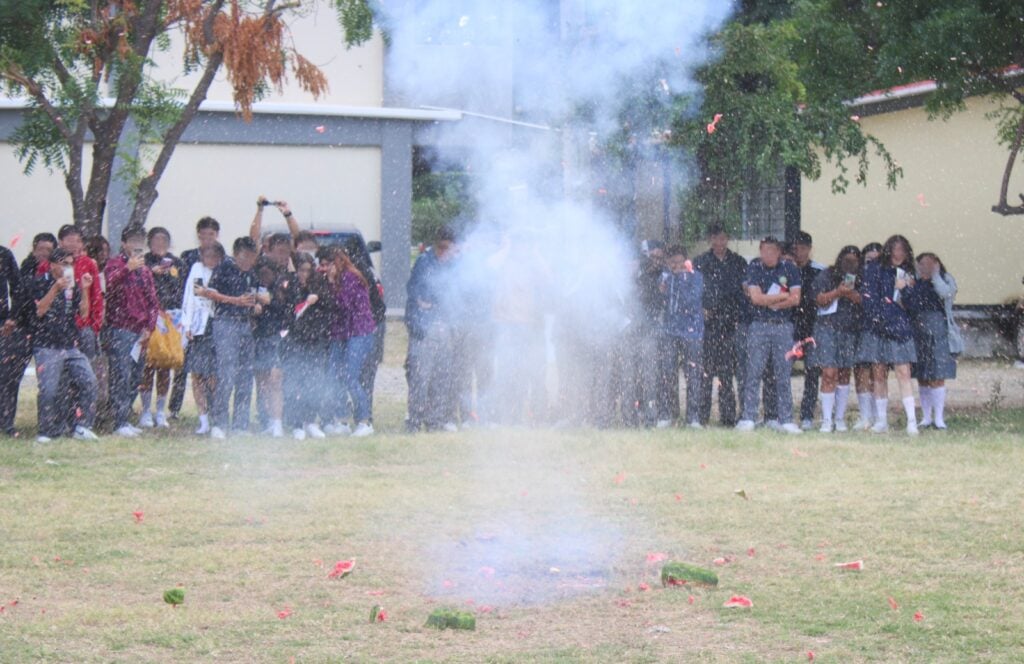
[
  {"x": 197, "y": 314},
  {"x": 888, "y": 337},
  {"x": 836, "y": 332},
  {"x": 132, "y": 308},
  {"x": 168, "y": 276}
]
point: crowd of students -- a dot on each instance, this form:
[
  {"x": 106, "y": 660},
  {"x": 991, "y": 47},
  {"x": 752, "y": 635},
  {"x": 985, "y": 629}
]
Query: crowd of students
[
  {"x": 716, "y": 319},
  {"x": 303, "y": 324}
]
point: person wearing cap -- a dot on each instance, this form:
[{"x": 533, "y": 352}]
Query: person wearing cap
[
  {"x": 55, "y": 341},
  {"x": 804, "y": 316},
  {"x": 774, "y": 287},
  {"x": 723, "y": 272}
]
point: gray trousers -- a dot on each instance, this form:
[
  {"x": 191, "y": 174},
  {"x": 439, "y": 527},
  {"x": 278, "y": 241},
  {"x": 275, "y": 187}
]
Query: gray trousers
[
  {"x": 53, "y": 366},
  {"x": 431, "y": 374},
  {"x": 688, "y": 354},
  {"x": 125, "y": 373},
  {"x": 767, "y": 344},
  {"x": 232, "y": 337}
]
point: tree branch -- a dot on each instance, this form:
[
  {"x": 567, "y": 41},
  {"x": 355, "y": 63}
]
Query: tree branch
[{"x": 39, "y": 95}]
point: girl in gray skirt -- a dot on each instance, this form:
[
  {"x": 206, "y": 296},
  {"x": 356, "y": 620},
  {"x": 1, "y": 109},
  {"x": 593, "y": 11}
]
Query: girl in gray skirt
[
  {"x": 836, "y": 332},
  {"x": 937, "y": 338},
  {"x": 888, "y": 337}
]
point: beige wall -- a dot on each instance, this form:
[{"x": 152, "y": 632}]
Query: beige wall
[
  {"x": 356, "y": 75},
  {"x": 31, "y": 204},
  {"x": 957, "y": 166},
  {"x": 322, "y": 184}
]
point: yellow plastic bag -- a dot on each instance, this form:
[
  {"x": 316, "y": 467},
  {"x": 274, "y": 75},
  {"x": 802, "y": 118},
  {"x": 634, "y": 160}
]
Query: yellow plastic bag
[{"x": 165, "y": 350}]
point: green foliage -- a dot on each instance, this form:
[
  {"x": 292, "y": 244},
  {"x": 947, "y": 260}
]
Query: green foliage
[
  {"x": 356, "y": 20},
  {"x": 439, "y": 199}
]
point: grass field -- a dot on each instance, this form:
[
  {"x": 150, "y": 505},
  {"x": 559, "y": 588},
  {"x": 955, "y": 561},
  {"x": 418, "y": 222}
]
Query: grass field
[{"x": 544, "y": 534}]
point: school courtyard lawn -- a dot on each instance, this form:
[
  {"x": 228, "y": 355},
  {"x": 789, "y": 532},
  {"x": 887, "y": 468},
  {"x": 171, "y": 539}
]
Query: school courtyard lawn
[{"x": 551, "y": 537}]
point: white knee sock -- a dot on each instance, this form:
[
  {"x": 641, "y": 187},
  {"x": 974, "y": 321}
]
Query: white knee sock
[
  {"x": 842, "y": 399},
  {"x": 828, "y": 402},
  {"x": 926, "y": 404},
  {"x": 161, "y": 403},
  {"x": 908, "y": 407},
  {"x": 867, "y": 404},
  {"x": 939, "y": 403},
  {"x": 882, "y": 411},
  {"x": 146, "y": 400}
]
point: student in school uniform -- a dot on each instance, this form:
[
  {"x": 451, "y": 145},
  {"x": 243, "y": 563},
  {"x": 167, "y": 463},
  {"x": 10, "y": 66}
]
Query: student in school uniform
[
  {"x": 683, "y": 338},
  {"x": 803, "y": 324},
  {"x": 207, "y": 234},
  {"x": 774, "y": 287},
  {"x": 132, "y": 307},
  {"x": 836, "y": 333},
  {"x": 862, "y": 370},
  {"x": 888, "y": 338},
  {"x": 936, "y": 336},
  {"x": 354, "y": 328},
  {"x": 197, "y": 314},
  {"x": 168, "y": 276},
  {"x": 306, "y": 347},
  {"x": 15, "y": 338},
  {"x": 55, "y": 341},
  {"x": 233, "y": 288},
  {"x": 723, "y": 272},
  {"x": 270, "y": 319}
]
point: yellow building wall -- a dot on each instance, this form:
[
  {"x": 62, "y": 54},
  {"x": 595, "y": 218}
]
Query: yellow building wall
[{"x": 955, "y": 167}]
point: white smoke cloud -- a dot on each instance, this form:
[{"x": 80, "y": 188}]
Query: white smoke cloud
[{"x": 539, "y": 235}]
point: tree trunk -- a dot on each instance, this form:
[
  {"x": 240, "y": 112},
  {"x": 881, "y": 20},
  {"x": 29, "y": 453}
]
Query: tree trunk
[
  {"x": 1003, "y": 207},
  {"x": 147, "y": 191}
]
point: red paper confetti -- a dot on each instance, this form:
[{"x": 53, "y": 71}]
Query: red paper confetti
[
  {"x": 14, "y": 241},
  {"x": 620, "y": 478},
  {"x": 679, "y": 497},
  {"x": 918, "y": 617},
  {"x": 342, "y": 568},
  {"x": 382, "y": 615},
  {"x": 486, "y": 608},
  {"x": 321, "y": 129},
  {"x": 893, "y": 604},
  {"x": 139, "y": 516},
  {"x": 719, "y": 561},
  {"x": 738, "y": 601},
  {"x": 656, "y": 557},
  {"x": 810, "y": 655},
  {"x": 692, "y": 599},
  {"x": 374, "y": 593},
  {"x": 821, "y": 557},
  {"x": 644, "y": 587},
  {"x": 448, "y": 584},
  {"x": 921, "y": 201},
  {"x": 487, "y": 572},
  {"x": 856, "y": 565},
  {"x": 751, "y": 552},
  {"x": 714, "y": 123},
  {"x": 284, "y": 613}
]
